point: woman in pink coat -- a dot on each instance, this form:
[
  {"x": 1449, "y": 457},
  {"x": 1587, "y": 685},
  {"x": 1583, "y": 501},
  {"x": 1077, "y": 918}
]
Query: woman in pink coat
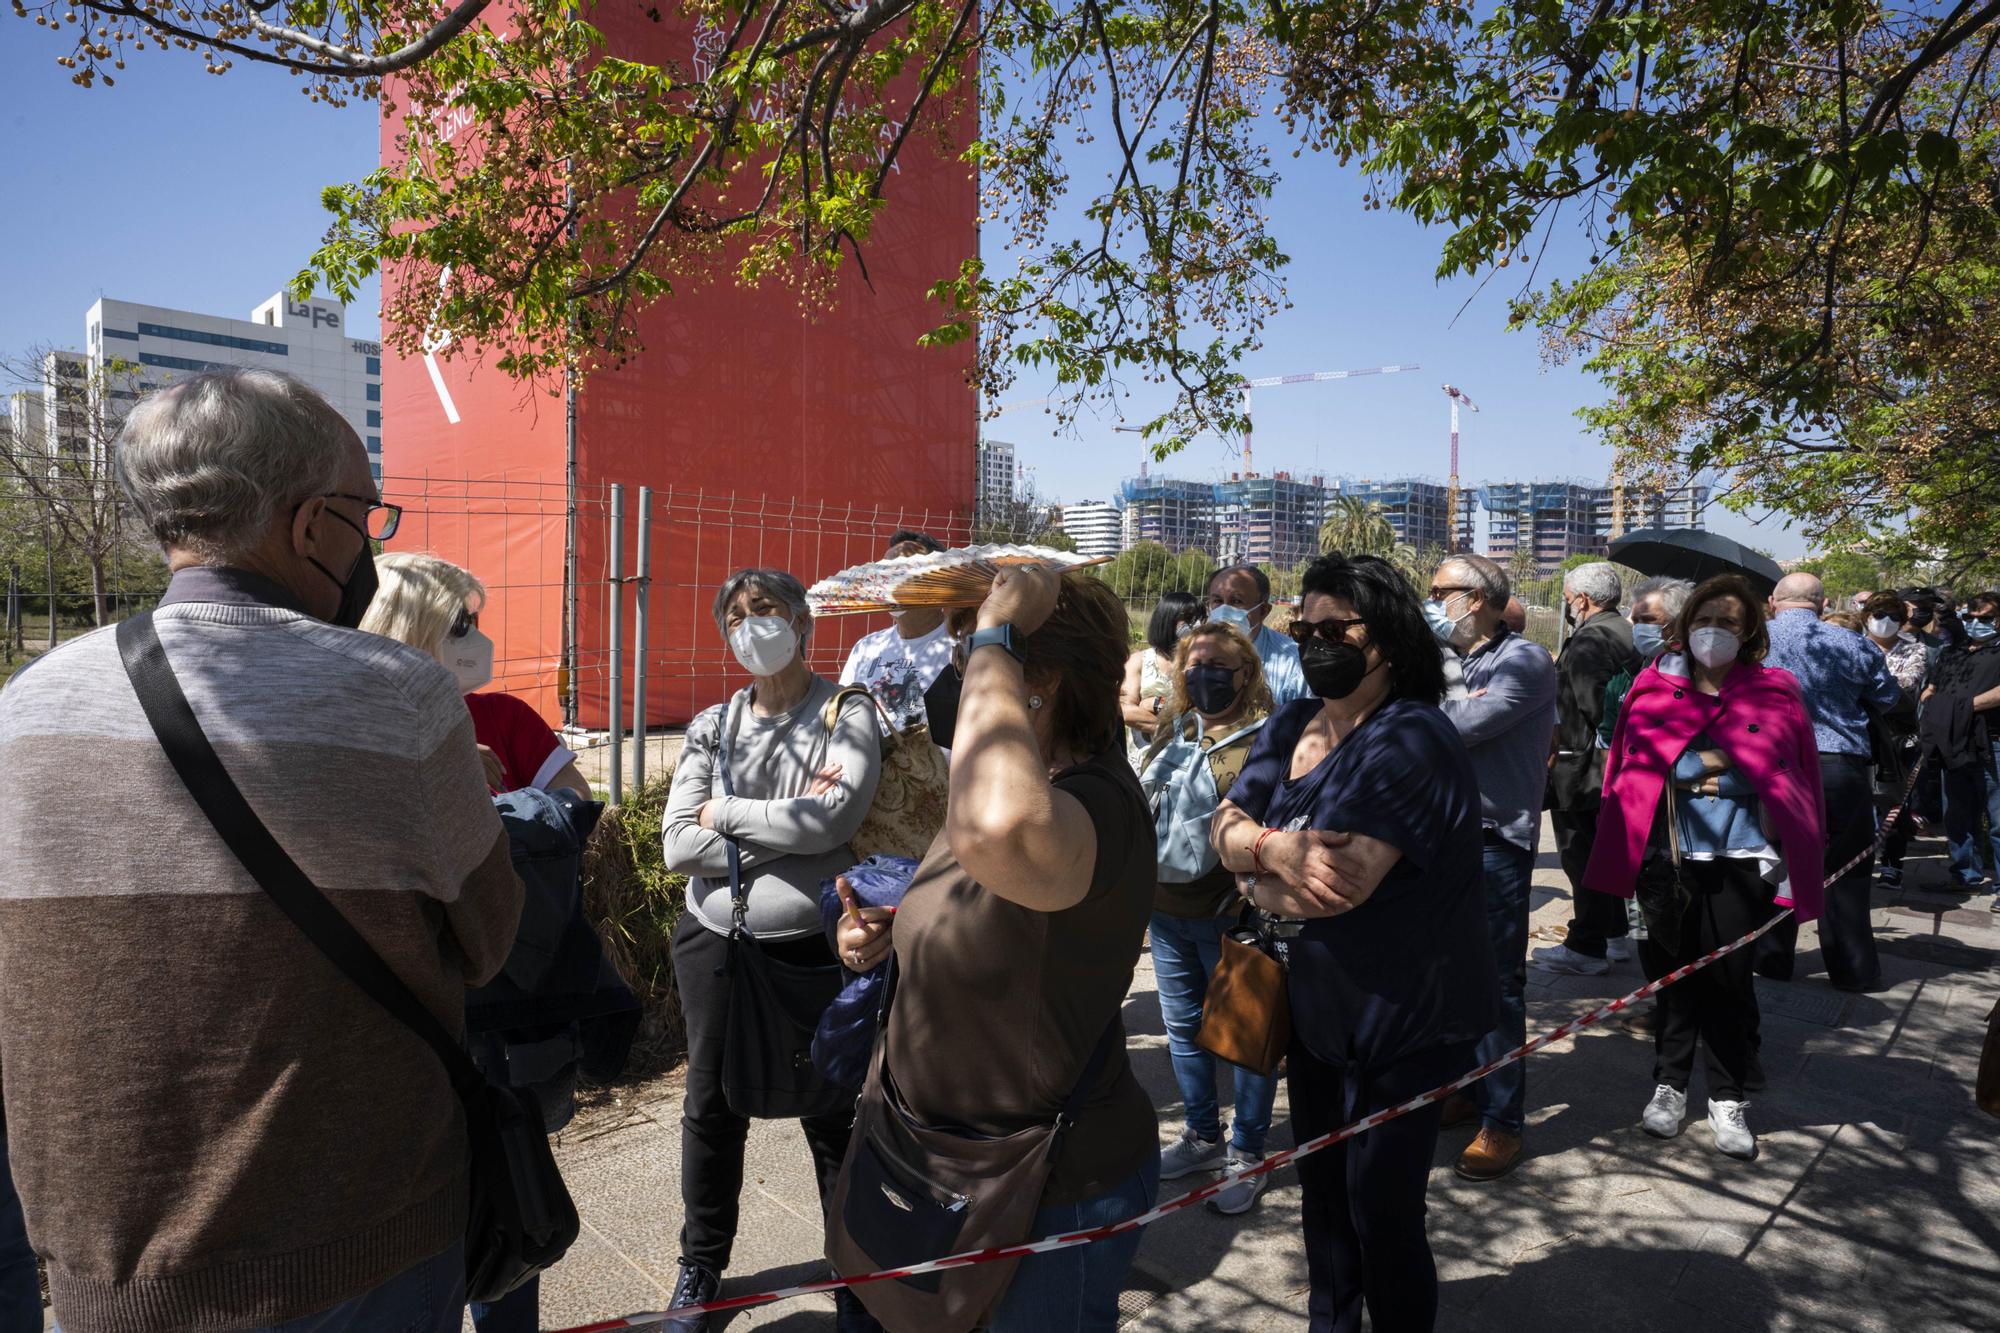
[{"x": 1730, "y": 743}]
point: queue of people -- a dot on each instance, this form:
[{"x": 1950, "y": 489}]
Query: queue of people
[{"x": 1360, "y": 795}]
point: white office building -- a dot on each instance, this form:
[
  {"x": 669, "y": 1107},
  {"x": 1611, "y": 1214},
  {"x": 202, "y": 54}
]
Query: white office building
[
  {"x": 996, "y": 479},
  {"x": 1096, "y": 527},
  {"x": 307, "y": 339}
]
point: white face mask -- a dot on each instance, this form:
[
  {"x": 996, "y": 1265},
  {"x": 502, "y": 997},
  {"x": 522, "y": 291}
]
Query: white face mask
[
  {"x": 470, "y": 658},
  {"x": 1712, "y": 647},
  {"x": 765, "y": 645},
  {"x": 1882, "y": 627}
]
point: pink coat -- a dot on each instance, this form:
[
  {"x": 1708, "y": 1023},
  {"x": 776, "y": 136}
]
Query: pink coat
[{"x": 1760, "y": 721}]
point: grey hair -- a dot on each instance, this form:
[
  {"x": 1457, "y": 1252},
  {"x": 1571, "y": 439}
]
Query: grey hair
[
  {"x": 1598, "y": 581},
  {"x": 1485, "y": 576},
  {"x": 774, "y": 583},
  {"x": 212, "y": 461},
  {"x": 1673, "y": 595}
]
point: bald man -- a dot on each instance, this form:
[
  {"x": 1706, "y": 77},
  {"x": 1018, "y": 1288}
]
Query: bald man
[
  {"x": 1844, "y": 679},
  {"x": 1515, "y": 617}
]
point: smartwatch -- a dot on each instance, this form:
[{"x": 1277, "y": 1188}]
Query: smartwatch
[{"x": 1000, "y": 636}]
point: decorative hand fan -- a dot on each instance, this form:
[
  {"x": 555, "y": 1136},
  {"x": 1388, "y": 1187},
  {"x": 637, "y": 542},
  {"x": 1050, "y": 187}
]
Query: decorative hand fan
[{"x": 958, "y": 577}]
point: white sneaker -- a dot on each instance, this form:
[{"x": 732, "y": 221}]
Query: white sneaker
[
  {"x": 1189, "y": 1155},
  {"x": 1239, "y": 1195},
  {"x": 1732, "y": 1132},
  {"x": 1665, "y": 1112},
  {"x": 1618, "y": 950},
  {"x": 1562, "y": 958}
]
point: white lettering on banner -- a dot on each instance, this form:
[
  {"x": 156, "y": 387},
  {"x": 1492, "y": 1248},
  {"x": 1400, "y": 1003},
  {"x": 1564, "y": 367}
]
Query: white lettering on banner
[
  {"x": 710, "y": 42},
  {"x": 451, "y": 122}
]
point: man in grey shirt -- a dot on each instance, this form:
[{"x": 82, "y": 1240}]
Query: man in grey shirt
[
  {"x": 1506, "y": 720},
  {"x": 787, "y": 781}
]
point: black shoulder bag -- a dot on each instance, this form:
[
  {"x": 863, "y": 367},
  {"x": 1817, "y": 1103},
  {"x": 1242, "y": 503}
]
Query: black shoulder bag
[
  {"x": 520, "y": 1219},
  {"x": 910, "y": 1192},
  {"x": 774, "y": 1009},
  {"x": 1661, "y": 891}
]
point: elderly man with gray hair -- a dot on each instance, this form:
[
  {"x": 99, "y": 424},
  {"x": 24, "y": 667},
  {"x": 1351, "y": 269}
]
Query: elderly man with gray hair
[
  {"x": 1599, "y": 648},
  {"x": 1505, "y": 720},
  {"x": 784, "y": 778},
  {"x": 1845, "y": 678},
  {"x": 212, "y": 1126}
]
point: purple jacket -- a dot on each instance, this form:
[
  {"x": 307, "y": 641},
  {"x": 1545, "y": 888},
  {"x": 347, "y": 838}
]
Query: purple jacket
[{"x": 1760, "y": 721}]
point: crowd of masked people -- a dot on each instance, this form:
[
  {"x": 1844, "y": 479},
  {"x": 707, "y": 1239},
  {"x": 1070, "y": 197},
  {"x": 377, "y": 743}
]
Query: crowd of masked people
[{"x": 214, "y": 1121}]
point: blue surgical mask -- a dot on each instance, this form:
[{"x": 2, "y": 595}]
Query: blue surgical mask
[
  {"x": 1650, "y": 640},
  {"x": 1439, "y": 620},
  {"x": 1979, "y": 630},
  {"x": 1231, "y": 615}
]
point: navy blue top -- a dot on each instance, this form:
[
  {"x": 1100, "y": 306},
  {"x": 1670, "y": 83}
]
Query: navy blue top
[{"x": 1411, "y": 968}]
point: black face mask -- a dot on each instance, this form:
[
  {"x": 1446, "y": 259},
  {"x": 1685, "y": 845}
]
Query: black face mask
[
  {"x": 1211, "y": 687},
  {"x": 358, "y": 590},
  {"x": 1333, "y": 670},
  {"x": 1920, "y": 616}
]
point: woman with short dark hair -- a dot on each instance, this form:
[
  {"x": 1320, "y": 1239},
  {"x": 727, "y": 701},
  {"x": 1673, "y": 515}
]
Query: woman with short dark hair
[
  {"x": 1355, "y": 827},
  {"x": 1018, "y": 937},
  {"x": 799, "y": 779},
  {"x": 1722, "y": 746}
]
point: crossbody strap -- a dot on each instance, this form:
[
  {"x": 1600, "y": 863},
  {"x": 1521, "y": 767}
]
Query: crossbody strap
[{"x": 200, "y": 769}]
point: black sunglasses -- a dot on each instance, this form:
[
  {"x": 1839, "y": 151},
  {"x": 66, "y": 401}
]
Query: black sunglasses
[{"x": 1333, "y": 629}]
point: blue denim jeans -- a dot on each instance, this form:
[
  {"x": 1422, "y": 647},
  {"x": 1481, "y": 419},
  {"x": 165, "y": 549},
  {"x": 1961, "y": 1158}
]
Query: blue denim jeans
[
  {"x": 429, "y": 1298},
  {"x": 1502, "y": 1096},
  {"x": 1185, "y": 952},
  {"x": 20, "y": 1286},
  {"x": 1969, "y": 793},
  {"x": 1076, "y": 1291}
]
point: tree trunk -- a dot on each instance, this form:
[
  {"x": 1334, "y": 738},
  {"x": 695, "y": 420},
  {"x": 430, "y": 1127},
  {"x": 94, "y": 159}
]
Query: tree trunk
[
  {"x": 49, "y": 548},
  {"x": 100, "y": 596}
]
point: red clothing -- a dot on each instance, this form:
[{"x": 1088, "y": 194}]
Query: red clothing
[
  {"x": 528, "y": 750},
  {"x": 1760, "y": 721}
]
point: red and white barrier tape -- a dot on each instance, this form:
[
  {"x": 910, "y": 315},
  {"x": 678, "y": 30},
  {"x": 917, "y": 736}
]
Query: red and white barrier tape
[{"x": 1275, "y": 1161}]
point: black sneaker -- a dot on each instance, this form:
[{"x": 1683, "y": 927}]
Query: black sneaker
[
  {"x": 850, "y": 1315},
  {"x": 695, "y": 1286}
]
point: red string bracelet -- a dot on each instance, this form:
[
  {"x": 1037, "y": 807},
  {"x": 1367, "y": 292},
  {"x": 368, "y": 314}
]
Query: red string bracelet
[{"x": 1257, "y": 850}]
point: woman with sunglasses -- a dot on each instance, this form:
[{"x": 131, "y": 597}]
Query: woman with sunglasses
[
  {"x": 1355, "y": 828},
  {"x": 433, "y": 606}
]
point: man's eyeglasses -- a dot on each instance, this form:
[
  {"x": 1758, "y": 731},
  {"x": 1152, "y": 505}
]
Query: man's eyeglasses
[
  {"x": 1439, "y": 594},
  {"x": 1333, "y": 629},
  {"x": 381, "y": 520},
  {"x": 1983, "y": 617}
]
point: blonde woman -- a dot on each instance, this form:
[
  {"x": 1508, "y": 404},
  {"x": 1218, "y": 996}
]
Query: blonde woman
[
  {"x": 433, "y": 606},
  {"x": 1216, "y": 706}
]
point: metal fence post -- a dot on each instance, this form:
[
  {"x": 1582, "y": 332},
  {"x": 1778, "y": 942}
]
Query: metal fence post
[
  {"x": 642, "y": 578},
  {"x": 615, "y": 706}
]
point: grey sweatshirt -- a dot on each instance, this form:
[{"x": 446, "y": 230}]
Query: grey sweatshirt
[{"x": 788, "y": 842}]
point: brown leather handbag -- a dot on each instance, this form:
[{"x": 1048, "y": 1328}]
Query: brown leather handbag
[{"x": 1247, "y": 1019}]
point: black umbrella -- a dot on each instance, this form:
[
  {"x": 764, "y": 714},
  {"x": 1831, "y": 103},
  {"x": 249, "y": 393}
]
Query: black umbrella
[{"x": 1693, "y": 554}]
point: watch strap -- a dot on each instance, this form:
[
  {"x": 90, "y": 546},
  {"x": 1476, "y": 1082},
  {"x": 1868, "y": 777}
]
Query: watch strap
[{"x": 1000, "y": 636}]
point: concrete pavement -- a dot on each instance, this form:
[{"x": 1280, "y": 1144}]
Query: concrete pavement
[{"x": 1875, "y": 1203}]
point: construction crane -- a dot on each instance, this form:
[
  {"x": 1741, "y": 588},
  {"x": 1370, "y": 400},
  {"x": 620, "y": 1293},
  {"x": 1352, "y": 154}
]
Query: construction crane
[
  {"x": 1457, "y": 396},
  {"x": 1273, "y": 381},
  {"x": 1017, "y": 406}
]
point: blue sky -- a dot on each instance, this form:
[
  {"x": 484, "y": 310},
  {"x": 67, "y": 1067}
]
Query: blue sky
[{"x": 182, "y": 189}]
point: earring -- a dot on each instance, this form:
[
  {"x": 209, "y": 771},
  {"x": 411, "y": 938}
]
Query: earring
[{"x": 1034, "y": 701}]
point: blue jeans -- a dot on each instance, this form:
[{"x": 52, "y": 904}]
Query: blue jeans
[
  {"x": 1502, "y": 1096},
  {"x": 1968, "y": 793},
  {"x": 1076, "y": 1291},
  {"x": 519, "y": 1311},
  {"x": 20, "y": 1286},
  {"x": 1185, "y": 952},
  {"x": 429, "y": 1298}
]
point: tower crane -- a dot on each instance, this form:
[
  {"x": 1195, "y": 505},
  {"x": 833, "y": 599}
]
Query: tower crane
[
  {"x": 1312, "y": 377},
  {"x": 1457, "y": 396}
]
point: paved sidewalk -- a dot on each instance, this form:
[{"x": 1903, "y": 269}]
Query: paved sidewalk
[{"x": 1875, "y": 1203}]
